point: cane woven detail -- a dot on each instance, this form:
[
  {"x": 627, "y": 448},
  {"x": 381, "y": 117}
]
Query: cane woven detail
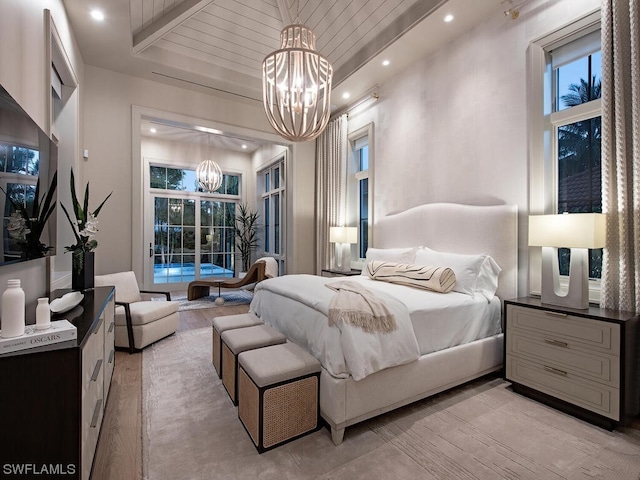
[
  {"x": 216, "y": 351},
  {"x": 229, "y": 371},
  {"x": 289, "y": 410},
  {"x": 249, "y": 405}
]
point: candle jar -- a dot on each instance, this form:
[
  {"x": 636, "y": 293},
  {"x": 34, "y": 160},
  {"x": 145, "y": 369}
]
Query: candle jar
[{"x": 43, "y": 314}]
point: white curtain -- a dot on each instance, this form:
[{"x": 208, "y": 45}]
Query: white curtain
[
  {"x": 331, "y": 161},
  {"x": 621, "y": 153}
]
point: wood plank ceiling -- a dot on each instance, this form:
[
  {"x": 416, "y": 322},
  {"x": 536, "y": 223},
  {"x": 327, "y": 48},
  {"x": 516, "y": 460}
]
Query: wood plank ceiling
[{"x": 236, "y": 35}]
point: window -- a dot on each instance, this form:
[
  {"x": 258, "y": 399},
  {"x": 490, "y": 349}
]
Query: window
[
  {"x": 273, "y": 195},
  {"x": 167, "y": 178},
  {"x": 576, "y": 122},
  {"x": 565, "y": 116},
  {"x": 359, "y": 199}
]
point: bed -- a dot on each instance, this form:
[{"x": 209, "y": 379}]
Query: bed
[{"x": 441, "y": 362}]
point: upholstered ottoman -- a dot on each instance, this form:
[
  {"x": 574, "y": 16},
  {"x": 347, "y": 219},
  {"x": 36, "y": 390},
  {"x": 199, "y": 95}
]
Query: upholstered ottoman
[
  {"x": 228, "y": 322},
  {"x": 278, "y": 394},
  {"x": 240, "y": 340}
]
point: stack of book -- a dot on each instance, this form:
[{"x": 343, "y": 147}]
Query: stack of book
[{"x": 60, "y": 331}]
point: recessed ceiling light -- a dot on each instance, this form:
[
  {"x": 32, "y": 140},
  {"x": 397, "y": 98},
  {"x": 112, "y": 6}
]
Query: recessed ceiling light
[
  {"x": 346, "y": 95},
  {"x": 152, "y": 130},
  {"x": 386, "y": 63},
  {"x": 244, "y": 146},
  {"x": 448, "y": 18},
  {"x": 97, "y": 15}
]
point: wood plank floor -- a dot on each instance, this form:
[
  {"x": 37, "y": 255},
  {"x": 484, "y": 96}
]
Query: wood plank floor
[{"x": 119, "y": 452}]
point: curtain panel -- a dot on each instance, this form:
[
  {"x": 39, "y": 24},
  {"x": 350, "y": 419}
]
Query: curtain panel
[
  {"x": 621, "y": 154},
  {"x": 331, "y": 165}
]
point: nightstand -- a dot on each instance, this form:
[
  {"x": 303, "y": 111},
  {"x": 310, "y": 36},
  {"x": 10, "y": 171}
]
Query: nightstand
[
  {"x": 583, "y": 362},
  {"x": 327, "y": 272}
]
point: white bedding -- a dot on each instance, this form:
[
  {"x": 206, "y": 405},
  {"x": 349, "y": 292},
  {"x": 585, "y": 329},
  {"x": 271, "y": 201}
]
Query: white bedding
[
  {"x": 443, "y": 320},
  {"x": 301, "y": 314},
  {"x": 439, "y": 320}
]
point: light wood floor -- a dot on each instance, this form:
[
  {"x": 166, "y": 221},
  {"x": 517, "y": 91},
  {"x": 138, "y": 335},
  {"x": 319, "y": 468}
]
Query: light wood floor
[{"x": 119, "y": 452}]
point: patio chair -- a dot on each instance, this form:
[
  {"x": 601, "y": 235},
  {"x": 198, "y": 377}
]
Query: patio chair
[{"x": 260, "y": 270}]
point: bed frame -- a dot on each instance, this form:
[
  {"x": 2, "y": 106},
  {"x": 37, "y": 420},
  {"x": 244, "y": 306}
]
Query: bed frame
[{"x": 449, "y": 228}]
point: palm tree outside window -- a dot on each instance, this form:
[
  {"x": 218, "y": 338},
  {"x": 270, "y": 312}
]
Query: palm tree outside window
[{"x": 577, "y": 84}]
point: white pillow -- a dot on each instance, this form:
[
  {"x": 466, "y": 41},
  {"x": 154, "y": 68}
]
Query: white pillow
[
  {"x": 393, "y": 255},
  {"x": 466, "y": 267},
  {"x": 487, "y": 282}
]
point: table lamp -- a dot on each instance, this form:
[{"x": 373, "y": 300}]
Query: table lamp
[
  {"x": 343, "y": 237},
  {"x": 577, "y": 231}
]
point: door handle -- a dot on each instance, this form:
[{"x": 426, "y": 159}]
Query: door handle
[{"x": 150, "y": 250}]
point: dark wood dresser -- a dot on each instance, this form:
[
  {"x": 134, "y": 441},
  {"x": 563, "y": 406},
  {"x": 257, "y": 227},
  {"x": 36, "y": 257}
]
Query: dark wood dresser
[{"x": 52, "y": 398}]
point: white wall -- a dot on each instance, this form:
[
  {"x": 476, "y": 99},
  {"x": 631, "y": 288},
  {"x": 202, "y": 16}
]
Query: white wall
[
  {"x": 108, "y": 102},
  {"x": 453, "y": 127},
  {"x": 23, "y": 73}
]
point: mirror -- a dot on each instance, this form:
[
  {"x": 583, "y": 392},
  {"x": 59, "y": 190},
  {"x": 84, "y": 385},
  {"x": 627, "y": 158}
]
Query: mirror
[{"x": 28, "y": 162}]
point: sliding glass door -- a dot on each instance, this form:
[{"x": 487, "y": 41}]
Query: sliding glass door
[{"x": 190, "y": 232}]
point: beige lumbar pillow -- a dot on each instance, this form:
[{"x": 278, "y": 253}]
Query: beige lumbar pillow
[{"x": 438, "y": 279}]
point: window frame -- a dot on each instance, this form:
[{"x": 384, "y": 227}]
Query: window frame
[
  {"x": 269, "y": 192},
  {"x": 543, "y": 125},
  {"x": 354, "y": 176}
]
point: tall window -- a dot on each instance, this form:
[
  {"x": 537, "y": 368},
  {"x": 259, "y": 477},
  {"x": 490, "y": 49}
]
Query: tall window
[
  {"x": 362, "y": 176},
  {"x": 273, "y": 194},
  {"x": 576, "y": 87},
  {"x": 565, "y": 118},
  {"x": 359, "y": 200}
]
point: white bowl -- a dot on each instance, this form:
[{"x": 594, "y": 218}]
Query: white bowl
[{"x": 66, "y": 302}]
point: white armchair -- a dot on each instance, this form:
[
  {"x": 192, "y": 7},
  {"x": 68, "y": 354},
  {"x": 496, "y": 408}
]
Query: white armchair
[{"x": 139, "y": 322}]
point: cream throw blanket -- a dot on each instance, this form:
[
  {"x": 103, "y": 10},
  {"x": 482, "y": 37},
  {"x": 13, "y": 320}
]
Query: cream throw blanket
[{"x": 360, "y": 308}]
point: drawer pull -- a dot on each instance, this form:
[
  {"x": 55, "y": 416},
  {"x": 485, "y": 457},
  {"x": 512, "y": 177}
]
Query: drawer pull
[
  {"x": 113, "y": 352},
  {"x": 555, "y": 314},
  {"x": 113, "y": 324},
  {"x": 555, "y": 371},
  {"x": 556, "y": 343},
  {"x": 96, "y": 370},
  {"x": 96, "y": 413},
  {"x": 100, "y": 320}
]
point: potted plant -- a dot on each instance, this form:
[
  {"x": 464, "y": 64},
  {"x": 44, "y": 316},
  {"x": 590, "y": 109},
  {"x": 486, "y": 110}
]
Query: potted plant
[
  {"x": 84, "y": 229},
  {"x": 246, "y": 231}
]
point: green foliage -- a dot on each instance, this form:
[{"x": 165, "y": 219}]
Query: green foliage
[
  {"x": 246, "y": 232},
  {"x": 85, "y": 225}
]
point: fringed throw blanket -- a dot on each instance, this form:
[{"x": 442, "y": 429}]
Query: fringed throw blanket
[
  {"x": 360, "y": 308},
  {"x": 299, "y": 305}
]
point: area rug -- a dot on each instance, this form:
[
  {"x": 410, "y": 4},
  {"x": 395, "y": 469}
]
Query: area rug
[
  {"x": 479, "y": 431},
  {"x": 232, "y": 297}
]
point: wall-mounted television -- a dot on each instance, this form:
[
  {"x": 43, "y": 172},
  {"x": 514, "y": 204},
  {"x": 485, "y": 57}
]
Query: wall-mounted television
[{"x": 28, "y": 165}]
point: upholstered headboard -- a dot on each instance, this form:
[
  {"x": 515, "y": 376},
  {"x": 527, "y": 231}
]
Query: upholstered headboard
[{"x": 455, "y": 228}]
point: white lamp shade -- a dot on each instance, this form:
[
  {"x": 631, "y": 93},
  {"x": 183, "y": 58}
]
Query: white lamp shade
[
  {"x": 569, "y": 230},
  {"x": 343, "y": 235}
]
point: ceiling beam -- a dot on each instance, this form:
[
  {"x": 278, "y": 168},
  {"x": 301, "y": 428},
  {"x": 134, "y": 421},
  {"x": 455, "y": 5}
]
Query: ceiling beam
[
  {"x": 285, "y": 13},
  {"x": 163, "y": 25}
]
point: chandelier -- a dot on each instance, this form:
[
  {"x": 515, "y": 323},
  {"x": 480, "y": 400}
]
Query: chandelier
[
  {"x": 208, "y": 174},
  {"x": 296, "y": 85}
]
